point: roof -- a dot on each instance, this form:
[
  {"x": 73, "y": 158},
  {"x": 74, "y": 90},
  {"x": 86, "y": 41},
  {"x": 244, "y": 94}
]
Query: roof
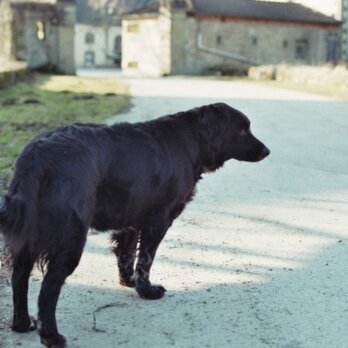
[
  {"x": 266, "y": 10},
  {"x": 93, "y": 13},
  {"x": 248, "y": 9}
]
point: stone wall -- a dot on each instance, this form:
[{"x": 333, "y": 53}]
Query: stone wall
[
  {"x": 53, "y": 48},
  {"x": 178, "y": 38},
  {"x": 12, "y": 72},
  {"x": 303, "y": 75},
  {"x": 66, "y": 33},
  {"x": 6, "y": 40},
  {"x": 345, "y": 30},
  {"x": 262, "y": 43},
  {"x": 37, "y": 53},
  {"x": 174, "y": 42}
]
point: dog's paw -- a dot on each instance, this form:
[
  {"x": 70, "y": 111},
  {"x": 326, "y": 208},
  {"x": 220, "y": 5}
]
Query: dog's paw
[
  {"x": 57, "y": 341},
  {"x": 130, "y": 283},
  {"x": 24, "y": 325},
  {"x": 152, "y": 292}
]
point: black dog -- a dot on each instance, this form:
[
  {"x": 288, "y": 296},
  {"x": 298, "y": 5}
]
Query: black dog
[{"x": 134, "y": 179}]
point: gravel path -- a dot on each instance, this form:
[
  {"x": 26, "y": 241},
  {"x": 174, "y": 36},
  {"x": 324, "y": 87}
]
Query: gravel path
[{"x": 258, "y": 259}]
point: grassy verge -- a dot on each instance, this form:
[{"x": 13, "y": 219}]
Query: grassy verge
[
  {"x": 45, "y": 102},
  {"x": 48, "y": 101}
]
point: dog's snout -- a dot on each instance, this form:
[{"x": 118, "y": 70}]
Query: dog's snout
[{"x": 265, "y": 151}]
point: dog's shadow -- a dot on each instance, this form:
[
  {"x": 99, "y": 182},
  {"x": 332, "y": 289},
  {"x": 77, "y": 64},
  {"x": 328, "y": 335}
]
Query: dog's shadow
[{"x": 235, "y": 298}]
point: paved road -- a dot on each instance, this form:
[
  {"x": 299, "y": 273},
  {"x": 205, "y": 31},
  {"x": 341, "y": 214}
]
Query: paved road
[{"x": 258, "y": 259}]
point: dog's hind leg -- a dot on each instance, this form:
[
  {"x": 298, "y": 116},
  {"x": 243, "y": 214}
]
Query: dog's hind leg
[
  {"x": 23, "y": 264},
  {"x": 150, "y": 238},
  {"x": 59, "y": 268},
  {"x": 124, "y": 244}
]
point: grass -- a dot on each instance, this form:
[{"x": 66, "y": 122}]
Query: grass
[{"x": 48, "y": 101}]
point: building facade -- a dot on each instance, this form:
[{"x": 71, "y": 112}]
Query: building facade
[
  {"x": 97, "y": 46},
  {"x": 193, "y": 37},
  {"x": 345, "y": 30},
  {"x": 39, "y": 33},
  {"x": 98, "y": 32},
  {"x": 6, "y": 34}
]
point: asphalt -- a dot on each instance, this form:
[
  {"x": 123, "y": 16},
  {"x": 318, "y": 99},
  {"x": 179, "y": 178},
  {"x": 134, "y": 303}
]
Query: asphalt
[{"x": 258, "y": 259}]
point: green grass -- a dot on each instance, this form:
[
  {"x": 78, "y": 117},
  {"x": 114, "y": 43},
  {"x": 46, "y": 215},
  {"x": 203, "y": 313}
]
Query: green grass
[{"x": 48, "y": 101}]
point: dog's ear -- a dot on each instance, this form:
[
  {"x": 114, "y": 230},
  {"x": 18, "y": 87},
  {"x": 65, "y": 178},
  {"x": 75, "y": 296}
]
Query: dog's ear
[{"x": 211, "y": 126}]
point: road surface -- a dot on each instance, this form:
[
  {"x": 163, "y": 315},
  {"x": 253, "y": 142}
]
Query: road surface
[{"x": 258, "y": 259}]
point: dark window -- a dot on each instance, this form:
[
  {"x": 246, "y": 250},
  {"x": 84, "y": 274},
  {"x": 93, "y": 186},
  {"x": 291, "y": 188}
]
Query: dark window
[
  {"x": 254, "y": 40},
  {"x": 218, "y": 39},
  {"x": 118, "y": 44},
  {"x": 285, "y": 43},
  {"x": 89, "y": 38},
  {"x": 118, "y": 50},
  {"x": 333, "y": 48},
  {"x": 301, "y": 50}
]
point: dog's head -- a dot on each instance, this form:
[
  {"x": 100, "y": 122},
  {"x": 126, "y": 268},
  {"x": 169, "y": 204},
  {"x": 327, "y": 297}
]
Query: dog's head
[{"x": 226, "y": 133}]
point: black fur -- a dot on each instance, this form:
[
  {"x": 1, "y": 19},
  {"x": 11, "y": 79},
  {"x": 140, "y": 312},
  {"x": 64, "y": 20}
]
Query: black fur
[{"x": 134, "y": 179}]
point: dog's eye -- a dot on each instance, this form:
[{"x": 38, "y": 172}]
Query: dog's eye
[{"x": 242, "y": 132}]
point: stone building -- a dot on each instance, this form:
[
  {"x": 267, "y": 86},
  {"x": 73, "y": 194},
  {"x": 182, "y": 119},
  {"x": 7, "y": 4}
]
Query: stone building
[
  {"x": 97, "y": 34},
  {"x": 41, "y": 33},
  {"x": 345, "y": 30},
  {"x": 195, "y": 36},
  {"x": 6, "y": 47},
  {"x": 98, "y": 39}
]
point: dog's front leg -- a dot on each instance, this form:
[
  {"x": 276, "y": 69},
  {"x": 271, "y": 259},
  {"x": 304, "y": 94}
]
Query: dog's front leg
[
  {"x": 124, "y": 245},
  {"x": 150, "y": 239}
]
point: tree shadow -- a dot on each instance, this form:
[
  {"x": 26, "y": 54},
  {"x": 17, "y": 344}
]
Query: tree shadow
[{"x": 303, "y": 306}]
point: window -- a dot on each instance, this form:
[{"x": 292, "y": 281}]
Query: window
[
  {"x": 132, "y": 65},
  {"x": 133, "y": 28},
  {"x": 117, "y": 50},
  {"x": 285, "y": 43},
  {"x": 219, "y": 39},
  {"x": 301, "y": 50},
  {"x": 40, "y": 30},
  {"x": 254, "y": 40},
  {"x": 118, "y": 44},
  {"x": 89, "y": 59},
  {"x": 89, "y": 39}
]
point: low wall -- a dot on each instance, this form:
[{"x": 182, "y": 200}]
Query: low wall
[
  {"x": 305, "y": 75},
  {"x": 11, "y": 72}
]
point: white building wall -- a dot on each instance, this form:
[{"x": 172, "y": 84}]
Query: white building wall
[
  {"x": 145, "y": 46},
  {"x": 102, "y": 47}
]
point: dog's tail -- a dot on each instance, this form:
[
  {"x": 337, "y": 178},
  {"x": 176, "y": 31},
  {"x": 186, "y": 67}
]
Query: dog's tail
[{"x": 18, "y": 218}]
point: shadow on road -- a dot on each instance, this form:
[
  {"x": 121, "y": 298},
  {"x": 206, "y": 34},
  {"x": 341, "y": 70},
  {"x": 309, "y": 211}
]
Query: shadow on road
[{"x": 258, "y": 259}]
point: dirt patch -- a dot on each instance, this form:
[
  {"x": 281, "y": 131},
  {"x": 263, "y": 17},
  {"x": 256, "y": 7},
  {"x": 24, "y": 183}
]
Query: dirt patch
[
  {"x": 33, "y": 126},
  {"x": 9, "y": 101}
]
